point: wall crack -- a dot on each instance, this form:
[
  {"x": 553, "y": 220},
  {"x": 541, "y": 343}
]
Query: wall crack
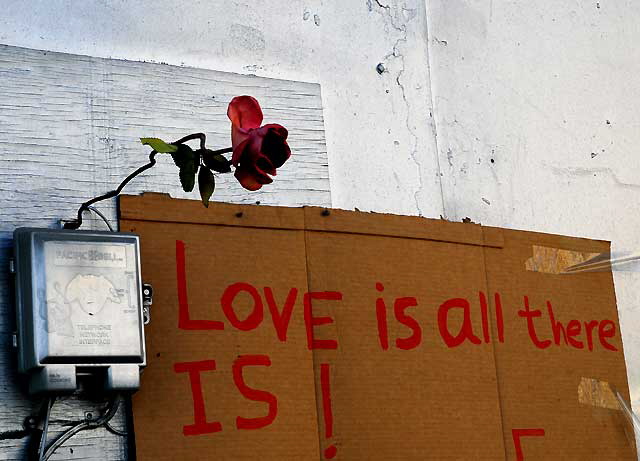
[{"x": 394, "y": 21}]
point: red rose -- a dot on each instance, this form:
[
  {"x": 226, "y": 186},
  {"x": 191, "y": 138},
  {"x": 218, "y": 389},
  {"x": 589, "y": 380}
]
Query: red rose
[{"x": 257, "y": 150}]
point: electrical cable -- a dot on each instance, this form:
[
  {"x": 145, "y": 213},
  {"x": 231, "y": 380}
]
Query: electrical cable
[
  {"x": 115, "y": 431},
  {"x": 99, "y": 213},
  {"x": 15, "y": 434},
  {"x": 45, "y": 428},
  {"x": 76, "y": 223},
  {"x": 108, "y": 414}
]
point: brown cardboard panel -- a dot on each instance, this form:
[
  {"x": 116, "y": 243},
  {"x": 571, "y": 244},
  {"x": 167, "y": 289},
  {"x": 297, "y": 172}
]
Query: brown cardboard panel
[
  {"x": 428, "y": 401},
  {"x": 471, "y": 385},
  {"x": 216, "y": 257},
  {"x": 538, "y": 385}
]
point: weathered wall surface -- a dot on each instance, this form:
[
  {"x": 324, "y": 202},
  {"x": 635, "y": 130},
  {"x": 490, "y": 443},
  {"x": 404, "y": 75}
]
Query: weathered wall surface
[
  {"x": 69, "y": 129},
  {"x": 518, "y": 114},
  {"x": 538, "y": 123}
]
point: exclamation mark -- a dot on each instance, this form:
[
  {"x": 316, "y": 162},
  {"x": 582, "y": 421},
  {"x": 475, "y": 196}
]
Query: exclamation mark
[{"x": 331, "y": 451}]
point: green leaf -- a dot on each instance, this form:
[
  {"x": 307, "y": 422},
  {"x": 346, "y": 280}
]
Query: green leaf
[
  {"x": 207, "y": 184},
  {"x": 217, "y": 162},
  {"x": 188, "y": 161},
  {"x": 188, "y": 178},
  {"x": 159, "y": 145},
  {"x": 183, "y": 155}
]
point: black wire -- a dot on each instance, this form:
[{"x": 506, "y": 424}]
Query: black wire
[
  {"x": 45, "y": 428},
  {"x": 108, "y": 414},
  {"x": 115, "y": 431},
  {"x": 17, "y": 434},
  {"x": 102, "y": 216},
  {"x": 35, "y": 427},
  {"x": 76, "y": 223}
]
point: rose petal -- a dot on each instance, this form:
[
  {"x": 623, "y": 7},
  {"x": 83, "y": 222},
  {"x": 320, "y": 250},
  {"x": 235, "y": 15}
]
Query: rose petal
[
  {"x": 263, "y": 165},
  {"x": 244, "y": 112},
  {"x": 275, "y": 145},
  {"x": 238, "y": 135},
  {"x": 249, "y": 150},
  {"x": 248, "y": 179}
]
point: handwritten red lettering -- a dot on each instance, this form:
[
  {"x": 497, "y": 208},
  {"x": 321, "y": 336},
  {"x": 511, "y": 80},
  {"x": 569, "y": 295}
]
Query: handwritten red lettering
[
  {"x": 254, "y": 394},
  {"x": 499, "y": 317},
  {"x": 589, "y": 327},
  {"x": 399, "y": 307},
  {"x": 530, "y": 315},
  {"x": 604, "y": 333},
  {"x": 573, "y": 329},
  {"x": 254, "y": 318},
  {"x": 381, "y": 317},
  {"x": 184, "y": 322},
  {"x": 557, "y": 327},
  {"x": 281, "y": 320},
  {"x": 466, "y": 330},
  {"x": 201, "y": 426},
  {"x": 518, "y": 433},
  {"x": 484, "y": 309},
  {"x": 331, "y": 451},
  {"x": 311, "y": 321}
]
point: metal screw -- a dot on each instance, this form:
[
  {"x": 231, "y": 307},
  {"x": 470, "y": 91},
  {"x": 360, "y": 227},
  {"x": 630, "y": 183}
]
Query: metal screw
[
  {"x": 325, "y": 212},
  {"x": 380, "y": 68}
]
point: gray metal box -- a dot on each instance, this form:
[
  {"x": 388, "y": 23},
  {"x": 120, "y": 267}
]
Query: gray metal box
[{"x": 79, "y": 308}]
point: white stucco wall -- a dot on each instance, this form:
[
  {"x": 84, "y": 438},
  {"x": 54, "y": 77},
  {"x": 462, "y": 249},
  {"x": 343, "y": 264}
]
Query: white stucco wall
[
  {"x": 548, "y": 90},
  {"x": 382, "y": 151}
]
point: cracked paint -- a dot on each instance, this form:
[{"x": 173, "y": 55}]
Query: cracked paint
[{"x": 395, "y": 22}]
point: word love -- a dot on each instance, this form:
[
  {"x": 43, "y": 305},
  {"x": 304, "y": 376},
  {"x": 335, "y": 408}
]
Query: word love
[
  {"x": 281, "y": 317},
  {"x": 454, "y": 317}
]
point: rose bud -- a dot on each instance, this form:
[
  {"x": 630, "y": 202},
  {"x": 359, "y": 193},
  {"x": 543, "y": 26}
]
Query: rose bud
[{"x": 257, "y": 150}]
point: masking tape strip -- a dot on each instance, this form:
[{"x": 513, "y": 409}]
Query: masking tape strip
[
  {"x": 549, "y": 260},
  {"x": 597, "y": 394}
]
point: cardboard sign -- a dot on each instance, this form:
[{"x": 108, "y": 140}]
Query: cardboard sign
[{"x": 304, "y": 333}]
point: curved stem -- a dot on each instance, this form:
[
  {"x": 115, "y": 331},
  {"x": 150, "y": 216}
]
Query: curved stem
[
  {"x": 76, "y": 223},
  {"x": 223, "y": 151}
]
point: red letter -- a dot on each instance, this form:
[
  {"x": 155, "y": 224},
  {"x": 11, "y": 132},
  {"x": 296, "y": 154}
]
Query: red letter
[
  {"x": 590, "y": 326},
  {"x": 381, "y": 316},
  {"x": 573, "y": 329},
  {"x": 253, "y": 319},
  {"x": 184, "y": 322},
  {"x": 466, "y": 332},
  {"x": 412, "y": 341},
  {"x": 499, "y": 318},
  {"x": 556, "y": 326},
  {"x": 484, "y": 308},
  {"x": 331, "y": 451},
  {"x": 281, "y": 321},
  {"x": 201, "y": 425},
  {"x": 253, "y": 394},
  {"x": 517, "y": 433},
  {"x": 609, "y": 333},
  {"x": 529, "y": 315},
  {"x": 311, "y": 321}
]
